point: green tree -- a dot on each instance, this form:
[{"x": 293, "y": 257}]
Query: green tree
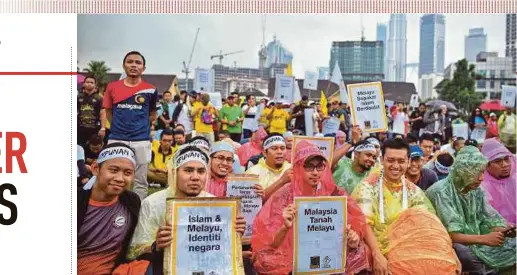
[
  {"x": 461, "y": 89},
  {"x": 99, "y": 70}
]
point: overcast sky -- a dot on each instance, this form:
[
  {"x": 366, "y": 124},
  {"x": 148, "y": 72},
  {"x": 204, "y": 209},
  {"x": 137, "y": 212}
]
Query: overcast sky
[{"x": 166, "y": 40}]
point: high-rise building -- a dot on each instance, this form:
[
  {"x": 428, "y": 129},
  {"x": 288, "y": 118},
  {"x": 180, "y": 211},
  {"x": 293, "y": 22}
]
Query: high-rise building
[
  {"x": 223, "y": 73},
  {"x": 475, "y": 43},
  {"x": 382, "y": 35},
  {"x": 276, "y": 53},
  {"x": 432, "y": 44},
  {"x": 396, "y": 48},
  {"x": 511, "y": 21},
  {"x": 358, "y": 60}
]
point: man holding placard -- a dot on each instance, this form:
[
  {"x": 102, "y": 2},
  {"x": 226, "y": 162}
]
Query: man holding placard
[
  {"x": 187, "y": 177},
  {"x": 273, "y": 170},
  {"x": 319, "y": 238}
]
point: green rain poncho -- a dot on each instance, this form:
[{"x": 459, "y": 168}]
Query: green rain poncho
[{"x": 470, "y": 213}]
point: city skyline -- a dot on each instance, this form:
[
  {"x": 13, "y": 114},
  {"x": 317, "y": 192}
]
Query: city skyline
[{"x": 166, "y": 40}]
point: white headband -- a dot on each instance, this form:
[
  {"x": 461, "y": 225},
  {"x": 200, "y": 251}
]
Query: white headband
[
  {"x": 200, "y": 143},
  {"x": 274, "y": 141},
  {"x": 181, "y": 159},
  {"x": 116, "y": 152},
  {"x": 373, "y": 141},
  {"x": 365, "y": 147},
  {"x": 441, "y": 168}
]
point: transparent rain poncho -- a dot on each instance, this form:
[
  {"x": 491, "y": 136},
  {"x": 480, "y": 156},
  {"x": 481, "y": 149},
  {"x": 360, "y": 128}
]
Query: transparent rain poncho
[{"x": 470, "y": 213}]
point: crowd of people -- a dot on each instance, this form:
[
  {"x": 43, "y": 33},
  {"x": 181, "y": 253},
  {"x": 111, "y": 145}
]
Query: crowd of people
[{"x": 420, "y": 200}]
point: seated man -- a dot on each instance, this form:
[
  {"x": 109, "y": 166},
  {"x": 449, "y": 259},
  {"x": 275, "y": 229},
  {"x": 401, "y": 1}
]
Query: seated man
[
  {"x": 499, "y": 181},
  {"x": 475, "y": 227},
  {"x": 349, "y": 173},
  {"x": 187, "y": 178},
  {"x": 161, "y": 154},
  {"x": 441, "y": 164},
  {"x": 107, "y": 214},
  {"x": 403, "y": 230},
  {"x": 179, "y": 138},
  {"x": 273, "y": 170},
  {"x": 92, "y": 150},
  {"x": 416, "y": 173}
]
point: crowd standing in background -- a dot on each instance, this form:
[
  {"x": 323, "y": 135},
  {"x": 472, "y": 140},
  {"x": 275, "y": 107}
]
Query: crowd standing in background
[{"x": 420, "y": 200}]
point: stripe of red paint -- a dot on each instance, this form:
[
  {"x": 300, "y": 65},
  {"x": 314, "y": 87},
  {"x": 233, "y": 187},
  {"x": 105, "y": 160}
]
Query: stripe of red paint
[{"x": 38, "y": 73}]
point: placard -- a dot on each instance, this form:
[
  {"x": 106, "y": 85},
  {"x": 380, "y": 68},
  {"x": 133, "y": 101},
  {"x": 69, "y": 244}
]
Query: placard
[
  {"x": 241, "y": 186},
  {"x": 325, "y": 144},
  {"x": 367, "y": 107},
  {"x": 330, "y": 125},
  {"x": 284, "y": 88},
  {"x": 309, "y": 122},
  {"x": 389, "y": 103},
  {"x": 508, "y": 96},
  {"x": 319, "y": 235},
  {"x": 204, "y": 237},
  {"x": 478, "y": 134},
  {"x": 204, "y": 80},
  {"x": 460, "y": 130},
  {"x": 310, "y": 82},
  {"x": 414, "y": 101},
  {"x": 216, "y": 100}
]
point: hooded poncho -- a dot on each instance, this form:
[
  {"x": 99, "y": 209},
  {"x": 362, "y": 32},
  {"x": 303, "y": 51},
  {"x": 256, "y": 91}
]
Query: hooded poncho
[{"x": 470, "y": 213}]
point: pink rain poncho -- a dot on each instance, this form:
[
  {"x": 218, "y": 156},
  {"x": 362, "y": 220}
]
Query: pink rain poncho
[
  {"x": 279, "y": 261},
  {"x": 252, "y": 148},
  {"x": 500, "y": 193}
]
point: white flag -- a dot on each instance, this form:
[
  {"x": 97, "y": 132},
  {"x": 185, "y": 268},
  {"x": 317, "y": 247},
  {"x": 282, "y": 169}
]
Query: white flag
[
  {"x": 343, "y": 94},
  {"x": 336, "y": 75},
  {"x": 297, "y": 95}
]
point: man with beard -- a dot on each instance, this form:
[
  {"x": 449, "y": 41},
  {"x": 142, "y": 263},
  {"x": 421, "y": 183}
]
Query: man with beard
[
  {"x": 416, "y": 173},
  {"x": 187, "y": 177},
  {"x": 499, "y": 180},
  {"x": 349, "y": 173},
  {"x": 273, "y": 170}
]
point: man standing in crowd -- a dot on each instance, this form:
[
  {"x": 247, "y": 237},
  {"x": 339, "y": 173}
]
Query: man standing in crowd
[
  {"x": 278, "y": 118},
  {"x": 130, "y": 106},
  {"x": 249, "y": 111},
  {"x": 232, "y": 116},
  {"x": 416, "y": 173},
  {"x": 204, "y": 114},
  {"x": 182, "y": 116},
  {"x": 508, "y": 129},
  {"x": 162, "y": 152},
  {"x": 89, "y": 104},
  {"x": 426, "y": 143},
  {"x": 417, "y": 120},
  {"x": 349, "y": 173},
  {"x": 299, "y": 114},
  {"x": 107, "y": 214},
  {"x": 273, "y": 170},
  {"x": 165, "y": 121}
]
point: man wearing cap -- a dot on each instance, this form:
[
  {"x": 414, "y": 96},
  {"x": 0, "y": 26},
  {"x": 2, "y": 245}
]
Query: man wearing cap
[
  {"x": 161, "y": 153},
  {"x": 278, "y": 119},
  {"x": 107, "y": 214},
  {"x": 416, "y": 173},
  {"x": 204, "y": 115},
  {"x": 272, "y": 170},
  {"x": 299, "y": 114},
  {"x": 188, "y": 174},
  {"x": 232, "y": 116},
  {"x": 349, "y": 173}
]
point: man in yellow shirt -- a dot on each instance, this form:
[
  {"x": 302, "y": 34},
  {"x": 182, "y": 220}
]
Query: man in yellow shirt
[
  {"x": 264, "y": 121},
  {"x": 204, "y": 115},
  {"x": 278, "y": 119},
  {"x": 161, "y": 154}
]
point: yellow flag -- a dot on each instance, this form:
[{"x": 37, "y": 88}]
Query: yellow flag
[
  {"x": 323, "y": 103},
  {"x": 289, "y": 70}
]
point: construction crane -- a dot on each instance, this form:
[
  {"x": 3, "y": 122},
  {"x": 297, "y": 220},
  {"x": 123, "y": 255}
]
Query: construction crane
[
  {"x": 262, "y": 52},
  {"x": 186, "y": 67},
  {"x": 222, "y": 55}
]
